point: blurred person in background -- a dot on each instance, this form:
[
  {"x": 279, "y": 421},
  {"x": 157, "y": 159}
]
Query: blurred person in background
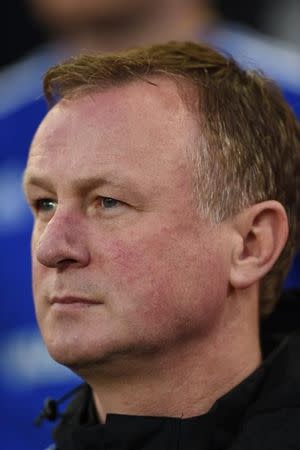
[{"x": 76, "y": 26}]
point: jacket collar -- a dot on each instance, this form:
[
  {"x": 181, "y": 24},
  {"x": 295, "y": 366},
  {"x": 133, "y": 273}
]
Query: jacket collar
[{"x": 79, "y": 429}]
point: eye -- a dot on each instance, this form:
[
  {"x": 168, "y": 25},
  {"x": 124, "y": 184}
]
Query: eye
[
  {"x": 108, "y": 202},
  {"x": 44, "y": 205}
]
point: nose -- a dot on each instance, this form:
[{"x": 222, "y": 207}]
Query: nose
[{"x": 62, "y": 243}]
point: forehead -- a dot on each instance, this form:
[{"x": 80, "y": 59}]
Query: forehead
[{"x": 139, "y": 125}]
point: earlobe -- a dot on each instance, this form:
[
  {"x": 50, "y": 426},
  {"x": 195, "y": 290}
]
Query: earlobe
[{"x": 261, "y": 234}]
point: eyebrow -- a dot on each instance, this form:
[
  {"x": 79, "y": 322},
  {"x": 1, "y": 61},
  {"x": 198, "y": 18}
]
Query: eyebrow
[
  {"x": 34, "y": 180},
  {"x": 82, "y": 185}
]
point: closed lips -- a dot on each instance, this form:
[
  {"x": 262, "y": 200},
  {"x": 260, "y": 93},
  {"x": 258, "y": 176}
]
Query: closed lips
[{"x": 70, "y": 300}]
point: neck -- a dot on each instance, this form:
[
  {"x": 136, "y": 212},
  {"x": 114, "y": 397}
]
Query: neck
[
  {"x": 187, "y": 380},
  {"x": 153, "y": 22}
]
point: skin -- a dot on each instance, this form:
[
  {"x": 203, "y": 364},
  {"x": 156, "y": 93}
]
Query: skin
[{"x": 165, "y": 281}]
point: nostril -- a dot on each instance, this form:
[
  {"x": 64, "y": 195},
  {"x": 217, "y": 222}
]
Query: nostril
[{"x": 65, "y": 263}]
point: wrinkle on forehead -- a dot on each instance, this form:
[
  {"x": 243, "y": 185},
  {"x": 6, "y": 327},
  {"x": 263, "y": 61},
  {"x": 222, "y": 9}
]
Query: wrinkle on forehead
[
  {"x": 160, "y": 93},
  {"x": 139, "y": 129},
  {"x": 111, "y": 108}
]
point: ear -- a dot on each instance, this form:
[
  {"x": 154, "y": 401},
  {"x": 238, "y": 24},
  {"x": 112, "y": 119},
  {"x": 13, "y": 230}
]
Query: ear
[{"x": 261, "y": 234}]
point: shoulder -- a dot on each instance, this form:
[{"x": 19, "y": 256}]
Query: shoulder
[
  {"x": 272, "y": 422},
  {"x": 276, "y": 429}
]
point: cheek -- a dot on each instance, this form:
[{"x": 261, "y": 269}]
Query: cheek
[
  {"x": 36, "y": 268},
  {"x": 38, "y": 278},
  {"x": 139, "y": 274},
  {"x": 166, "y": 280},
  {"x": 40, "y": 274}
]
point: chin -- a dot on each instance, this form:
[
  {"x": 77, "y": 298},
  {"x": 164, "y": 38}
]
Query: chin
[
  {"x": 80, "y": 353},
  {"x": 76, "y": 340}
]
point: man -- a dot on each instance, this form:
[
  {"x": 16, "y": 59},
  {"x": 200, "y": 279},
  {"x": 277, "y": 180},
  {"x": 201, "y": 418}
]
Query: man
[
  {"x": 164, "y": 184},
  {"x": 100, "y": 25}
]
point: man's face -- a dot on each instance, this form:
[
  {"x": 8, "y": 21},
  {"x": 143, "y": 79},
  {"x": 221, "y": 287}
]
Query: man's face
[{"x": 122, "y": 261}]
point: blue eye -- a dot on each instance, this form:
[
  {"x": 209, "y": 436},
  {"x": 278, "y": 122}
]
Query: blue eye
[
  {"x": 108, "y": 202},
  {"x": 44, "y": 204}
]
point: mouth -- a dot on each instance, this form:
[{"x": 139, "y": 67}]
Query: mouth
[{"x": 73, "y": 301}]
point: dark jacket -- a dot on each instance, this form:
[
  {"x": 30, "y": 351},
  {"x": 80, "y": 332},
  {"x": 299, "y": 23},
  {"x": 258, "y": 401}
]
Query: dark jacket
[{"x": 261, "y": 413}]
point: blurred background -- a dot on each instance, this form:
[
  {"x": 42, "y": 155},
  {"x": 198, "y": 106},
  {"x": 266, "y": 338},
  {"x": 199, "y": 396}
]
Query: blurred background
[
  {"x": 35, "y": 34},
  {"x": 23, "y": 30}
]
